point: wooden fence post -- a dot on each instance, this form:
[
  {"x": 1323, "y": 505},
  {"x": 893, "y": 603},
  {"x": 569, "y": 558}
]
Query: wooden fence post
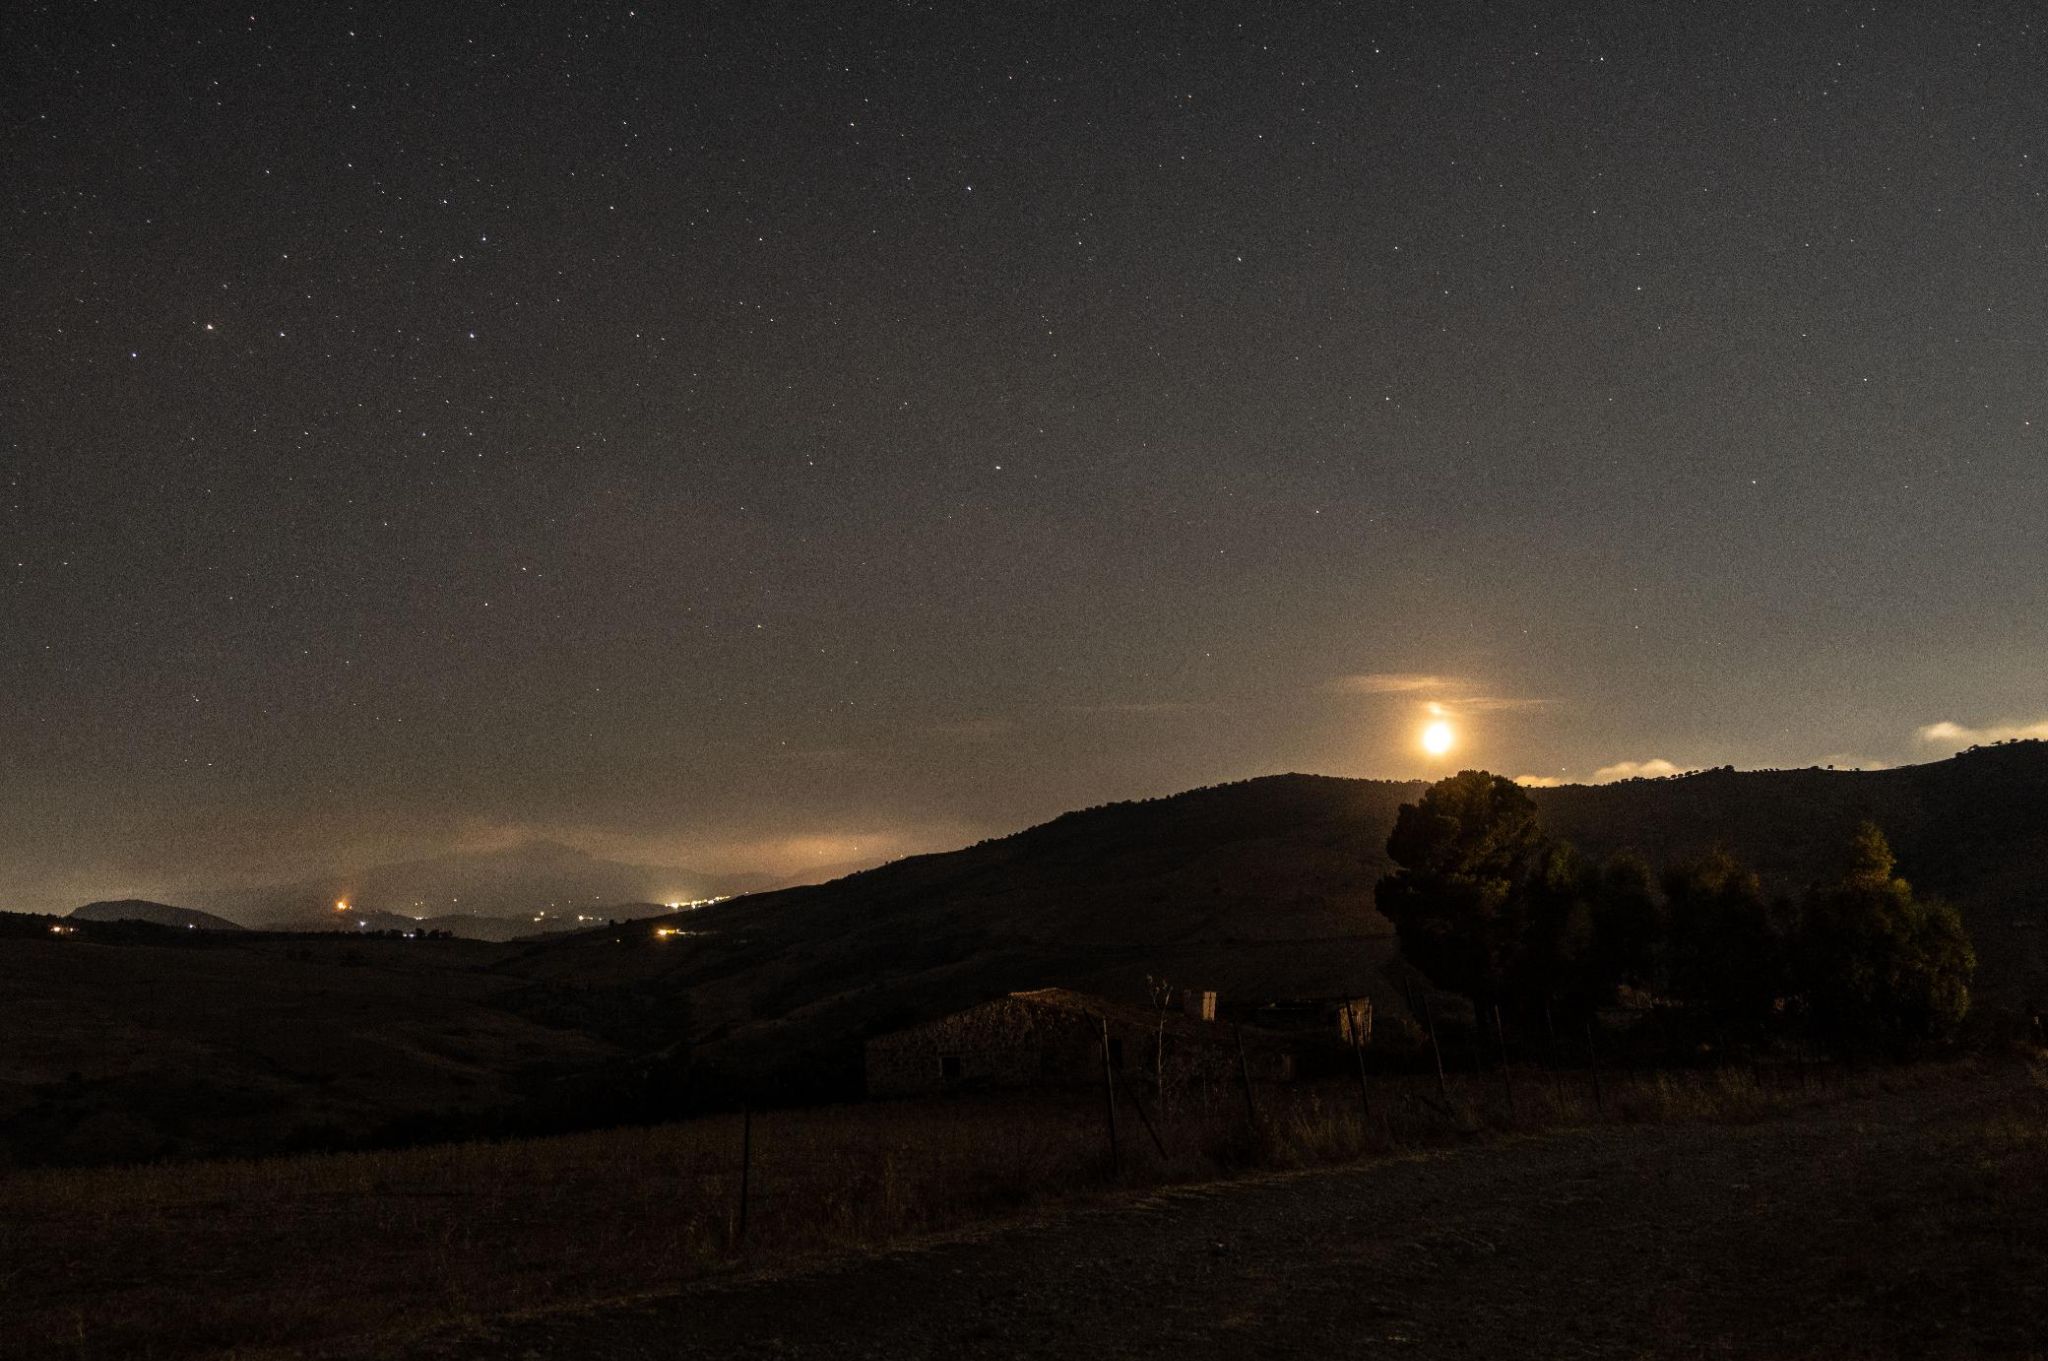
[{"x": 1109, "y": 1099}]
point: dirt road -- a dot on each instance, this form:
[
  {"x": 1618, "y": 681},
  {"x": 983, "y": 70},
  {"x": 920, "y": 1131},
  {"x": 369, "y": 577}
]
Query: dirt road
[{"x": 1900, "y": 1225}]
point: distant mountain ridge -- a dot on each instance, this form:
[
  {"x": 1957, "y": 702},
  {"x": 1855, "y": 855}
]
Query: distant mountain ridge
[
  {"x": 159, "y": 914},
  {"x": 478, "y": 893}
]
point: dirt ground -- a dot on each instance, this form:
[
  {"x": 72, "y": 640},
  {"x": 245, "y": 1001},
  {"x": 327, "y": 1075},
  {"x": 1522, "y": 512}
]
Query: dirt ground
[{"x": 1912, "y": 1223}]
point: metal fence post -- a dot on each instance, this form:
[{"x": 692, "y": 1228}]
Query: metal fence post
[
  {"x": 1244, "y": 1072},
  {"x": 1593, "y": 1057},
  {"x": 1506, "y": 1074},
  {"x": 746, "y": 1169},
  {"x": 1429, "y": 1024},
  {"x": 1109, "y": 1099}
]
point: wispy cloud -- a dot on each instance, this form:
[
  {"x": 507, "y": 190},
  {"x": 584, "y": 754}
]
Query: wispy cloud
[
  {"x": 1654, "y": 768},
  {"x": 1392, "y": 683},
  {"x": 1498, "y": 704},
  {"x": 1449, "y": 696},
  {"x": 1958, "y": 735}
]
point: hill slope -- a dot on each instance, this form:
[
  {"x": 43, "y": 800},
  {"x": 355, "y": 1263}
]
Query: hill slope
[
  {"x": 1264, "y": 889},
  {"x": 129, "y": 1041}
]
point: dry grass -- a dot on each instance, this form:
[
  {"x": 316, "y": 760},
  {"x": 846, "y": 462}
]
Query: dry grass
[{"x": 287, "y": 1254}]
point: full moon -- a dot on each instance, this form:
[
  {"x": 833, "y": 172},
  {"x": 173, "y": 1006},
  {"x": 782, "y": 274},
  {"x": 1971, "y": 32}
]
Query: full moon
[{"x": 1438, "y": 737}]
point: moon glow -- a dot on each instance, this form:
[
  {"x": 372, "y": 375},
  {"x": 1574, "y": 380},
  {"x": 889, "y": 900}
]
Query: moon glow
[{"x": 1438, "y": 737}]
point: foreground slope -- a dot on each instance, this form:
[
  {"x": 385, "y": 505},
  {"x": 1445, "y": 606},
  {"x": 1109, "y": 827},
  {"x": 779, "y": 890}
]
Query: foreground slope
[{"x": 1849, "y": 1229}]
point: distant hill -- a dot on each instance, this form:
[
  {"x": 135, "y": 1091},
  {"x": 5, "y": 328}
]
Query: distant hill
[
  {"x": 160, "y": 914},
  {"x": 487, "y": 894}
]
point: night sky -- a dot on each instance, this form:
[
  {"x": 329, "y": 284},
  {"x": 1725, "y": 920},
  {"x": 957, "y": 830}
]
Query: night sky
[{"x": 760, "y": 436}]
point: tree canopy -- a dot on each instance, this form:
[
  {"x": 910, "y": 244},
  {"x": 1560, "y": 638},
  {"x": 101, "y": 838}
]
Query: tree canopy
[
  {"x": 1879, "y": 965},
  {"x": 1465, "y": 850},
  {"x": 1726, "y": 951},
  {"x": 1485, "y": 905}
]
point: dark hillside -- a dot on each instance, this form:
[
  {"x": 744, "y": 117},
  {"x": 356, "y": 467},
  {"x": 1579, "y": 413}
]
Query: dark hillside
[
  {"x": 127, "y": 1041},
  {"x": 1264, "y": 889},
  {"x": 1261, "y": 888}
]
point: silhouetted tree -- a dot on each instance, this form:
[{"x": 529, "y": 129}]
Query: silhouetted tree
[
  {"x": 1728, "y": 956},
  {"x": 1589, "y": 927},
  {"x": 1629, "y": 925},
  {"x": 1880, "y": 966},
  {"x": 1465, "y": 850}
]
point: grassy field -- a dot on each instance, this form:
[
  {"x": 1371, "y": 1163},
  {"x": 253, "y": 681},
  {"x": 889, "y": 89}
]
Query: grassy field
[{"x": 289, "y": 1255}]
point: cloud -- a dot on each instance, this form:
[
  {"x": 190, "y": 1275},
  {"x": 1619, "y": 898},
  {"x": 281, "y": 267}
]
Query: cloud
[
  {"x": 1453, "y": 695},
  {"x": 1498, "y": 704},
  {"x": 1392, "y": 683},
  {"x": 783, "y": 851},
  {"x": 1654, "y": 768},
  {"x": 1957, "y": 735}
]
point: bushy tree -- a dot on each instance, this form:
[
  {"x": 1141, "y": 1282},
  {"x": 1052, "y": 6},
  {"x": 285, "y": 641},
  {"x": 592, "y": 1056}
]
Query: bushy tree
[
  {"x": 1456, "y": 902},
  {"x": 1589, "y": 927},
  {"x": 1728, "y": 950},
  {"x": 1881, "y": 967}
]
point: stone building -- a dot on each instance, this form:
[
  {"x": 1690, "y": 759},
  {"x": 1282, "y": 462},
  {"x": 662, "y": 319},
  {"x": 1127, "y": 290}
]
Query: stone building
[
  {"x": 1052, "y": 1037},
  {"x": 1332, "y": 1017}
]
